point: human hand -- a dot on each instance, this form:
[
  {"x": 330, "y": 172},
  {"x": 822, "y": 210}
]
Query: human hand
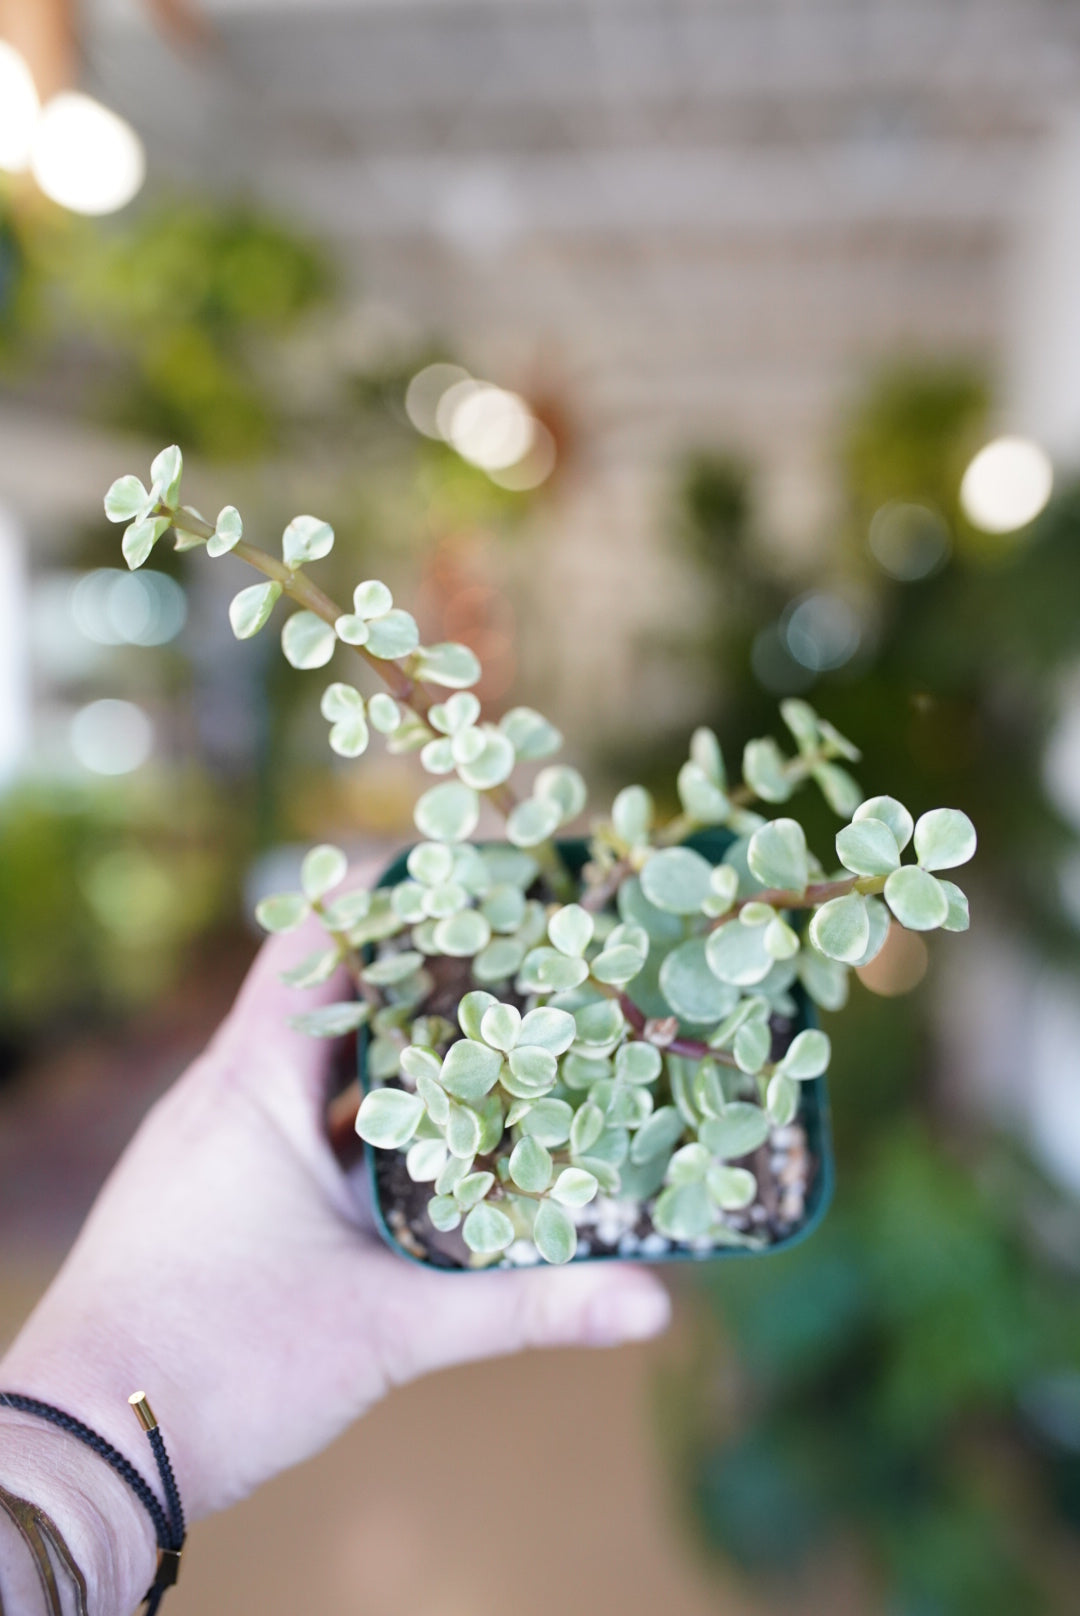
[{"x": 231, "y": 1270}]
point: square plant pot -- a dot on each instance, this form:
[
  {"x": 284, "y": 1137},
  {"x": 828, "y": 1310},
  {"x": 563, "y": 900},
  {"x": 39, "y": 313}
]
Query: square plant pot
[{"x": 614, "y": 1236}]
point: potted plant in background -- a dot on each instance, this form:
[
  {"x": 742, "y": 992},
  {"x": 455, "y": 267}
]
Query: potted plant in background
[{"x": 574, "y": 1049}]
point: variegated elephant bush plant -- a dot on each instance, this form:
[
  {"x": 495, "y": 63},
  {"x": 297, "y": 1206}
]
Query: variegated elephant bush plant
[{"x": 540, "y": 1042}]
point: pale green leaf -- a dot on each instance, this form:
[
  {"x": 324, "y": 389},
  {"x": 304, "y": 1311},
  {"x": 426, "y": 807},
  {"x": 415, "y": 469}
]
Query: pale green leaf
[
  {"x": 658, "y": 1136},
  {"x": 705, "y": 753},
  {"x": 781, "y": 941},
  {"x": 632, "y": 815},
  {"x": 802, "y": 721},
  {"x": 462, "y": 935},
  {"x": 554, "y": 1233},
  {"x": 324, "y": 868},
  {"x": 487, "y": 1231},
  {"x": 500, "y": 1026},
  {"x": 372, "y": 599},
  {"x": 825, "y": 980},
  {"x": 840, "y": 929},
  {"x": 350, "y": 629},
  {"x": 127, "y": 500},
  {"x": 388, "y": 1118},
  {"x": 453, "y": 666},
  {"x": 549, "y": 1028},
  {"x": 731, "y": 1188},
  {"x": 165, "y": 472},
  {"x": 737, "y": 954},
  {"x": 394, "y": 635},
  {"x": 638, "y": 1062},
  {"x": 944, "y": 838},
  {"x": 470, "y": 1070},
  {"x": 444, "y": 1212},
  {"x": 777, "y": 856},
  {"x": 677, "y": 880},
  {"x": 493, "y": 762},
  {"x": 462, "y": 1130},
  {"x": 393, "y": 969},
  {"x": 571, "y": 929},
  {"x": 313, "y": 970},
  {"x": 532, "y": 1072},
  {"x": 425, "y": 1160},
  {"x": 564, "y": 787},
  {"x": 867, "y": 847},
  {"x": 880, "y": 921},
  {"x": 470, "y": 1013},
  {"x": 751, "y": 1046},
  {"x": 807, "y": 1055},
  {"x": 341, "y": 701},
  {"x": 531, "y": 1166},
  {"x": 618, "y": 965},
  {"x": 530, "y": 733},
  {"x": 891, "y": 813},
  {"x": 764, "y": 770},
  {"x": 683, "y": 1211},
  {"x": 959, "y": 916},
  {"x": 282, "y": 911},
  {"x": 499, "y": 961},
  {"x": 448, "y": 812},
  {"x": 586, "y": 1128},
  {"x": 470, "y": 1190},
  {"x": 532, "y": 822},
  {"x": 306, "y": 539},
  {"x": 917, "y": 898},
  {"x": 782, "y": 1099},
  {"x": 842, "y": 793},
  {"x": 331, "y": 1020},
  {"x": 574, "y": 1187},
  {"x": 349, "y": 736},
  {"x": 139, "y": 539},
  {"x": 228, "y": 531},
  {"x": 549, "y": 1121},
  {"x": 459, "y": 712},
  {"x": 384, "y": 713},
  {"x": 738, "y": 1130},
  {"x": 250, "y": 610}
]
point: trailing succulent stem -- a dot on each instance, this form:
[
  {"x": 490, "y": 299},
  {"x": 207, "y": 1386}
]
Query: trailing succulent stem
[{"x": 528, "y": 1054}]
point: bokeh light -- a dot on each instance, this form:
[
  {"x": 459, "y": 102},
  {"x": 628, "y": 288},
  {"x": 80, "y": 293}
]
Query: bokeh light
[
  {"x": 18, "y": 110},
  {"x": 424, "y": 393},
  {"x": 85, "y": 157},
  {"x": 1006, "y": 485},
  {"x": 112, "y": 737},
  {"x": 908, "y": 541},
  {"x": 112, "y": 607},
  {"x": 821, "y": 631}
]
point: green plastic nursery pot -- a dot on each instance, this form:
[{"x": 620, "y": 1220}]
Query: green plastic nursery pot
[{"x": 813, "y": 1116}]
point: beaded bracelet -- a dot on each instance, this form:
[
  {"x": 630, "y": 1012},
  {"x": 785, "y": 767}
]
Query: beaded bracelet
[{"x": 168, "y": 1520}]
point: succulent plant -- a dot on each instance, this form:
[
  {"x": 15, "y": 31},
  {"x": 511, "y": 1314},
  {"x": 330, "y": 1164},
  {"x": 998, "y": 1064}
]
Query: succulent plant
[{"x": 537, "y": 1040}]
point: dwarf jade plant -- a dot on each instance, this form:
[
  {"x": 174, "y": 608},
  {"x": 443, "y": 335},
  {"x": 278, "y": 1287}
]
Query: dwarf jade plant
[{"x": 537, "y": 1040}]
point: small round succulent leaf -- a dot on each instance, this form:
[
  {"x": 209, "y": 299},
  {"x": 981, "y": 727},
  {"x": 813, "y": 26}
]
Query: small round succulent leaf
[
  {"x": 499, "y": 961},
  {"x": 349, "y": 737},
  {"x": 825, "y": 980},
  {"x": 437, "y": 757},
  {"x": 324, "y": 868},
  {"x": 944, "y": 838},
  {"x": 139, "y": 539},
  {"x": 842, "y": 793},
  {"x": 880, "y": 921},
  {"x": 781, "y": 942},
  {"x": 890, "y": 812},
  {"x": 470, "y": 1013},
  {"x": 307, "y": 641},
  {"x": 500, "y": 1026},
  {"x": 444, "y": 1212},
  {"x": 447, "y": 812},
  {"x": 341, "y": 700},
  {"x": 533, "y": 1069},
  {"x": 228, "y": 531},
  {"x": 554, "y": 1233},
  {"x": 388, "y": 1118},
  {"x": 571, "y": 929},
  {"x": 313, "y": 970},
  {"x": 599, "y": 1024},
  {"x": 127, "y": 500},
  {"x": 350, "y": 629},
  {"x": 550, "y": 1028},
  {"x": 708, "y": 1093},
  {"x": 764, "y": 770},
  {"x": 282, "y": 911},
  {"x": 632, "y": 815},
  {"x": 470, "y": 1070},
  {"x": 807, "y": 1055},
  {"x": 166, "y": 470},
  {"x": 618, "y": 966},
  {"x": 531, "y": 1167},
  {"x": 250, "y": 610},
  {"x": 459, "y": 712},
  {"x": 457, "y": 1168},
  {"x": 331, "y": 1020},
  {"x": 530, "y": 733},
  {"x": 802, "y": 721},
  {"x": 431, "y": 863},
  {"x": 782, "y": 1099},
  {"x": 462, "y": 1130},
  {"x": 635, "y": 909},
  {"x": 738, "y": 1130},
  {"x": 463, "y": 934},
  {"x": 731, "y": 1188},
  {"x": 417, "y": 1062},
  {"x": 432, "y": 1093},
  {"x": 470, "y": 1190},
  {"x": 491, "y": 764},
  {"x": 959, "y": 915},
  {"x": 658, "y": 1136},
  {"x": 586, "y": 1128},
  {"x": 691, "y": 987},
  {"x": 737, "y": 954},
  {"x": 706, "y": 755},
  {"x": 306, "y": 539},
  {"x": 466, "y": 746},
  {"x": 532, "y": 821},
  {"x": 504, "y": 908},
  {"x": 683, "y": 1211},
  {"x": 453, "y": 666},
  {"x": 867, "y": 847},
  {"x": 700, "y": 798},
  {"x": 580, "y": 1072},
  {"x": 574, "y": 1187},
  {"x": 346, "y": 910},
  {"x": 723, "y": 889},
  {"x": 393, "y": 969},
  {"x": 407, "y": 901},
  {"x": 394, "y": 635},
  {"x": 751, "y": 1046},
  {"x": 917, "y": 898},
  {"x": 372, "y": 599},
  {"x": 565, "y": 787},
  {"x": 638, "y": 1062},
  {"x": 487, "y": 1231},
  {"x": 838, "y": 745},
  {"x": 689, "y": 1164},
  {"x": 384, "y": 713},
  {"x": 777, "y": 856},
  {"x": 557, "y": 973},
  {"x": 425, "y": 1160},
  {"x": 448, "y": 898},
  {"x": 677, "y": 880},
  {"x": 549, "y": 1121},
  {"x": 840, "y": 929}
]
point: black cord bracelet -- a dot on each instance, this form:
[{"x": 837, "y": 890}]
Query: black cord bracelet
[{"x": 168, "y": 1521}]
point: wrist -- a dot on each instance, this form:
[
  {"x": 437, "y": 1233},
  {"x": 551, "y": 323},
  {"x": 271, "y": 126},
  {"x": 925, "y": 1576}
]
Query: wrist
[{"x": 104, "y": 1526}]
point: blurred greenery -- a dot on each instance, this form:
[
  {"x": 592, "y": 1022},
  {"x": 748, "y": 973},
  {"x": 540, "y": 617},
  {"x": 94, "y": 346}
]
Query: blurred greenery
[{"x": 886, "y": 1371}]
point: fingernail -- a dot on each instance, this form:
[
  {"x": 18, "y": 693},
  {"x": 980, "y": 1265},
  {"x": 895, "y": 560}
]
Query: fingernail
[{"x": 632, "y": 1315}]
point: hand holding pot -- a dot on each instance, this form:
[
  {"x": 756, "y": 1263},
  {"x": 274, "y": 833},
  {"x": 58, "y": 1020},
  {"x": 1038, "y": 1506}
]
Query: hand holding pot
[{"x": 231, "y": 1269}]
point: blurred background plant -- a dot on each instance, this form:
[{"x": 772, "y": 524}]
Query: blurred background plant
[{"x": 758, "y": 292}]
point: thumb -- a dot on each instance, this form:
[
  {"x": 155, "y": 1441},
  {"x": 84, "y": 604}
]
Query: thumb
[{"x": 444, "y": 1319}]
